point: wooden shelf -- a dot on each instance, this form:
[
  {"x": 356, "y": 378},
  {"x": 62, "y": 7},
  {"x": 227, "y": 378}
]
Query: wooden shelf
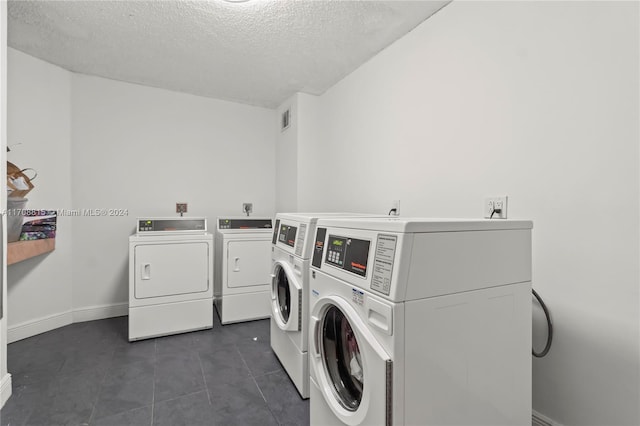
[{"x": 22, "y": 250}]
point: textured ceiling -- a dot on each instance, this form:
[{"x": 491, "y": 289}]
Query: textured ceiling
[{"x": 258, "y": 52}]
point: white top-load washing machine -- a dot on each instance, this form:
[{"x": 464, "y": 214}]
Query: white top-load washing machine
[
  {"x": 292, "y": 244},
  {"x": 242, "y": 285},
  {"x": 170, "y": 277},
  {"x": 420, "y": 322}
]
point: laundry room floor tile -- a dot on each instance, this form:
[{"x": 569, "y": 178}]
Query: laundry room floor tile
[
  {"x": 223, "y": 367},
  {"x": 244, "y": 405},
  {"x": 177, "y": 375},
  {"x": 188, "y": 410},
  {"x": 136, "y": 417},
  {"x": 124, "y": 388},
  {"x": 144, "y": 350},
  {"x": 283, "y": 398},
  {"x": 68, "y": 400},
  {"x": 23, "y": 400},
  {"x": 259, "y": 356},
  {"x": 89, "y": 373},
  {"x": 178, "y": 344}
]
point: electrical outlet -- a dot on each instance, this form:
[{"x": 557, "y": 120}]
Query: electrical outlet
[
  {"x": 496, "y": 206},
  {"x": 395, "y": 208},
  {"x": 181, "y": 208},
  {"x": 247, "y": 208}
]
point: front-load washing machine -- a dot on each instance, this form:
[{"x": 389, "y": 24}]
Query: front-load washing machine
[
  {"x": 242, "y": 285},
  {"x": 170, "y": 277},
  {"x": 420, "y": 322},
  {"x": 292, "y": 244}
]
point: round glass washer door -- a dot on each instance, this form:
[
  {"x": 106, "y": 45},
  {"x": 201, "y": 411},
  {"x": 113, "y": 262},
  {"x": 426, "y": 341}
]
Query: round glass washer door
[
  {"x": 342, "y": 359},
  {"x": 283, "y": 294}
]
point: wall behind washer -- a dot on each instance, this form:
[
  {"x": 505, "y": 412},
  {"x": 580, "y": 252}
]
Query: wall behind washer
[
  {"x": 287, "y": 157},
  {"x": 39, "y": 135},
  {"x": 97, "y": 144},
  {"x": 535, "y": 100},
  {"x": 144, "y": 149}
]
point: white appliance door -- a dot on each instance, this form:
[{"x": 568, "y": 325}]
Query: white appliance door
[
  {"x": 249, "y": 263},
  {"x": 286, "y": 297},
  {"x": 171, "y": 269},
  {"x": 352, "y": 369}
]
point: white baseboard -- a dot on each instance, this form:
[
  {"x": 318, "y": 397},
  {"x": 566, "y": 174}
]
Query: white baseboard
[
  {"x": 5, "y": 389},
  {"x": 538, "y": 419},
  {"x": 37, "y": 326},
  {"x": 93, "y": 313},
  {"x": 51, "y": 322}
]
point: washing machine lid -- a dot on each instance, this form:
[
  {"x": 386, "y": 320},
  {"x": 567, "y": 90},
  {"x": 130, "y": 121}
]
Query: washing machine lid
[
  {"x": 171, "y": 225},
  {"x": 423, "y": 225}
]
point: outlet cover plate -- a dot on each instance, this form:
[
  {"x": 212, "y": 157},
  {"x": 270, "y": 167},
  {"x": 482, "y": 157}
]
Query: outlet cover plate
[
  {"x": 395, "y": 204},
  {"x": 491, "y": 203},
  {"x": 181, "y": 207}
]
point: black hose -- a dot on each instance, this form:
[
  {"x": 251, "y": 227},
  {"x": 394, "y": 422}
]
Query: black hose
[{"x": 549, "y": 328}]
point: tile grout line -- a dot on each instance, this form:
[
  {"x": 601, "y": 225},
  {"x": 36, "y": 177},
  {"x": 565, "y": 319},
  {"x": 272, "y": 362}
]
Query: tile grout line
[
  {"x": 258, "y": 386},
  {"x": 204, "y": 379},
  {"x": 244, "y": 361},
  {"x": 102, "y": 381},
  {"x": 266, "y": 403}
]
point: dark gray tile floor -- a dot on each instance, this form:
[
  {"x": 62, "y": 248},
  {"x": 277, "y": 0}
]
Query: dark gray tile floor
[{"x": 88, "y": 373}]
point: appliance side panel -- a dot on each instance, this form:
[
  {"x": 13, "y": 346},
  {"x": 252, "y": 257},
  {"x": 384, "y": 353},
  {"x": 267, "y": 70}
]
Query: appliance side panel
[
  {"x": 468, "y": 358},
  {"x": 218, "y": 269},
  {"x": 452, "y": 262}
]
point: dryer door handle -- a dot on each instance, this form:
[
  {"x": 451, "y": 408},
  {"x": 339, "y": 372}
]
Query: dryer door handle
[
  {"x": 145, "y": 271},
  {"x": 236, "y": 264}
]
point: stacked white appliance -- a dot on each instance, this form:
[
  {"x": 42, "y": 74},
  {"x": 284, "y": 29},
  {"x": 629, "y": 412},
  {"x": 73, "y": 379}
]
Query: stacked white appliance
[
  {"x": 292, "y": 244},
  {"x": 420, "y": 321},
  {"x": 170, "y": 277},
  {"x": 242, "y": 284}
]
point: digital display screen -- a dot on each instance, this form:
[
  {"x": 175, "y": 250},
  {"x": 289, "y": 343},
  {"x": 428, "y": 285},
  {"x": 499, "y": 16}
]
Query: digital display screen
[
  {"x": 349, "y": 254},
  {"x": 287, "y": 235}
]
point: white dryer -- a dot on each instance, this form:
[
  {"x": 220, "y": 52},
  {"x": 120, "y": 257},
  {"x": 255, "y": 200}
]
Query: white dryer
[
  {"x": 170, "y": 277},
  {"x": 292, "y": 245},
  {"x": 420, "y": 322},
  {"x": 242, "y": 285}
]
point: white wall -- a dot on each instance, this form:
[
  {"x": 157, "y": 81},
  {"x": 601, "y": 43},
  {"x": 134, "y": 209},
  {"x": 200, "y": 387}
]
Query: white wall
[
  {"x": 144, "y": 149},
  {"x": 5, "y": 377},
  {"x": 98, "y": 143},
  {"x": 538, "y": 101},
  {"x": 39, "y": 120},
  {"x": 309, "y": 150},
  {"x": 287, "y": 158}
]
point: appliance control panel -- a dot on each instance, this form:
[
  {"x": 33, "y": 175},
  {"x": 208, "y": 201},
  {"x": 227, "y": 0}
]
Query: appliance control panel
[
  {"x": 287, "y": 235},
  {"x": 231, "y": 223},
  {"x": 171, "y": 225},
  {"x": 349, "y": 254}
]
